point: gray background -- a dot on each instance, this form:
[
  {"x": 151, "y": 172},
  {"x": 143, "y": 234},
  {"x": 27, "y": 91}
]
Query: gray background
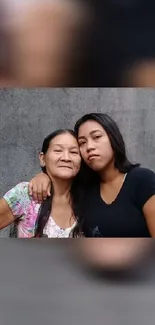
[{"x": 28, "y": 115}]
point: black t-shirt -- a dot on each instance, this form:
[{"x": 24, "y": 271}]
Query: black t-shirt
[{"x": 124, "y": 217}]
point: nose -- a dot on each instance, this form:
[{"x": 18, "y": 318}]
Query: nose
[
  {"x": 90, "y": 145},
  {"x": 66, "y": 156}
]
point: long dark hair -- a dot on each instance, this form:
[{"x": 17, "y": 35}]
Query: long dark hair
[
  {"x": 122, "y": 162},
  {"x": 76, "y": 190}
]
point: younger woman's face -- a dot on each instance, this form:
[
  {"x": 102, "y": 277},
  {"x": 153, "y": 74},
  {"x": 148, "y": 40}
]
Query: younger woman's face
[
  {"x": 95, "y": 146},
  {"x": 62, "y": 159}
]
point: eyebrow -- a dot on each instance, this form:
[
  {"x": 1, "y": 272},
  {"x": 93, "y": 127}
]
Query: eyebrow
[
  {"x": 91, "y": 133},
  {"x": 62, "y": 146}
]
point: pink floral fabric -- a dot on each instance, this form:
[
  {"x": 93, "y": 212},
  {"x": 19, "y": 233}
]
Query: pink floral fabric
[{"x": 26, "y": 210}]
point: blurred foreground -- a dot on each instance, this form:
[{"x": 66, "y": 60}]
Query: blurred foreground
[
  {"x": 104, "y": 43},
  {"x": 52, "y": 281},
  {"x": 42, "y": 42}
]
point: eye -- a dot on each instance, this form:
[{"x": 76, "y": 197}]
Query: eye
[
  {"x": 81, "y": 144},
  {"x": 97, "y": 137},
  {"x": 57, "y": 150},
  {"x": 74, "y": 152}
]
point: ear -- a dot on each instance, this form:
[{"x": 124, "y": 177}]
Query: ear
[{"x": 42, "y": 159}]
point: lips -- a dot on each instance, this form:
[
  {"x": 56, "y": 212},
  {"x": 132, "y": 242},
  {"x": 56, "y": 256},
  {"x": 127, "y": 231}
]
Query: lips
[
  {"x": 69, "y": 167},
  {"x": 91, "y": 157}
]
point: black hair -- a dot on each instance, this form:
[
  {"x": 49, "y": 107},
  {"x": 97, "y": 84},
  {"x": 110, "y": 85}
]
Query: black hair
[
  {"x": 76, "y": 191},
  {"x": 122, "y": 162}
]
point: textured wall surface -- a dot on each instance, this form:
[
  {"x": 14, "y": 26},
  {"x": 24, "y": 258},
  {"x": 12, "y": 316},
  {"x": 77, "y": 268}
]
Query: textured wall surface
[{"x": 28, "y": 115}]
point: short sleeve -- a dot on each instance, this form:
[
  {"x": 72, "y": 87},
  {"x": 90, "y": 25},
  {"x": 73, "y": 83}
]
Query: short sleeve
[
  {"x": 18, "y": 198},
  {"x": 145, "y": 184}
]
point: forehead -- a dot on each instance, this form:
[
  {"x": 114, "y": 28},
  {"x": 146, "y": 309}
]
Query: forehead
[
  {"x": 88, "y": 127},
  {"x": 64, "y": 139}
]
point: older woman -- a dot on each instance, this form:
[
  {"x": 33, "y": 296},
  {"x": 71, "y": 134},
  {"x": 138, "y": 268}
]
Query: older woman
[{"x": 55, "y": 217}]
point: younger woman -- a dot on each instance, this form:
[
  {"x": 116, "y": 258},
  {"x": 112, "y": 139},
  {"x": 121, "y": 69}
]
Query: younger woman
[{"x": 120, "y": 196}]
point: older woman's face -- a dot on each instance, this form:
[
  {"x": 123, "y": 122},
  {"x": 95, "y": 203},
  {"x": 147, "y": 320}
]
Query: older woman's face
[{"x": 62, "y": 159}]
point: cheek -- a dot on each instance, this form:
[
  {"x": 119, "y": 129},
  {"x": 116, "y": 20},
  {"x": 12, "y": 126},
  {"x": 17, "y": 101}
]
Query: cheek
[
  {"x": 50, "y": 162},
  {"x": 83, "y": 153},
  {"x": 77, "y": 163},
  {"x": 105, "y": 148}
]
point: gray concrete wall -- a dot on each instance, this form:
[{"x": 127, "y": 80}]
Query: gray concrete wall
[{"x": 28, "y": 115}]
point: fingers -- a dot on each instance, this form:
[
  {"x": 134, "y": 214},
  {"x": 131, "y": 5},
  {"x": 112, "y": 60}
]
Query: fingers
[
  {"x": 45, "y": 194},
  {"x": 49, "y": 190},
  {"x": 30, "y": 188},
  {"x": 46, "y": 191},
  {"x": 40, "y": 196},
  {"x": 39, "y": 190},
  {"x": 35, "y": 192}
]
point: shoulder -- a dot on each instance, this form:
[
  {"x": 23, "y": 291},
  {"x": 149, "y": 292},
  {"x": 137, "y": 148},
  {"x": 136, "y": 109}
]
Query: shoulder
[
  {"x": 141, "y": 174},
  {"x": 22, "y": 186},
  {"x": 18, "y": 199},
  {"x": 18, "y": 191},
  {"x": 143, "y": 181}
]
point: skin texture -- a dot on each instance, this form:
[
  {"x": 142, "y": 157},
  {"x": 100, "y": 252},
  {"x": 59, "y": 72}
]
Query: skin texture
[
  {"x": 62, "y": 162},
  {"x": 62, "y": 158},
  {"x": 92, "y": 139}
]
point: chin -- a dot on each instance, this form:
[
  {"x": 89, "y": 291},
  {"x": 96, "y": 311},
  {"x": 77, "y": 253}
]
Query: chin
[
  {"x": 65, "y": 176},
  {"x": 96, "y": 168}
]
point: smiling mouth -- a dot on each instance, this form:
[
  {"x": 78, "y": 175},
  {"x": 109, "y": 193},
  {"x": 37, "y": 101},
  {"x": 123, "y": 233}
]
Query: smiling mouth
[{"x": 65, "y": 167}]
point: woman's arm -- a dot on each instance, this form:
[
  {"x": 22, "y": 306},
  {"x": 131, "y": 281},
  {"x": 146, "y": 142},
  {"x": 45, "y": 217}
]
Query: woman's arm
[
  {"x": 145, "y": 181},
  {"x": 14, "y": 204},
  {"x": 40, "y": 187},
  {"x": 6, "y": 215},
  {"x": 149, "y": 213}
]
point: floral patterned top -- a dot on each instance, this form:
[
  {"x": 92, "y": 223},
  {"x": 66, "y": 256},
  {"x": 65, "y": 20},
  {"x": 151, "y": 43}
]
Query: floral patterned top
[{"x": 26, "y": 210}]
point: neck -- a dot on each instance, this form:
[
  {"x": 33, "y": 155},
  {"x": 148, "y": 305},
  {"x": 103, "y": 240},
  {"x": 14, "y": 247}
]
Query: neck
[
  {"x": 109, "y": 174},
  {"x": 61, "y": 187}
]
